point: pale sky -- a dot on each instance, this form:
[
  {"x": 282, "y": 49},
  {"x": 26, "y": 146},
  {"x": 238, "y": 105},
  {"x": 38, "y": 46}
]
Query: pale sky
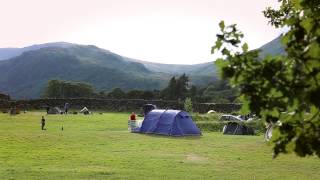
[{"x": 165, "y": 31}]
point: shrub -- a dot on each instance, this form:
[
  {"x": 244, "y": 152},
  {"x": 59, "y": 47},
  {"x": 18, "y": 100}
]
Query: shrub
[
  {"x": 210, "y": 126},
  {"x": 188, "y": 105},
  {"x": 206, "y": 117}
]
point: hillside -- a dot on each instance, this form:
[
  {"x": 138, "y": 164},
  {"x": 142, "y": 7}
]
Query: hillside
[
  {"x": 199, "y": 69},
  {"x": 273, "y": 47},
  {"x": 26, "y": 75},
  {"x": 7, "y": 53},
  {"x": 203, "y": 69},
  {"x": 26, "y": 72}
]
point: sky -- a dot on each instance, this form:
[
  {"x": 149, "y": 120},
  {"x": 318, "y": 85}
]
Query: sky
[{"x": 164, "y": 31}]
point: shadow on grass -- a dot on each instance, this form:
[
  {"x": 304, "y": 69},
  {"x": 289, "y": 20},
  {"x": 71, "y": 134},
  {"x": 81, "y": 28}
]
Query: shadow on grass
[{"x": 188, "y": 137}]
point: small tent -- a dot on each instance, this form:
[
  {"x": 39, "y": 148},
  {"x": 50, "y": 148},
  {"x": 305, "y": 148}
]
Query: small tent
[
  {"x": 211, "y": 112},
  {"x": 235, "y": 128},
  {"x": 54, "y": 110},
  {"x": 168, "y": 122},
  {"x": 147, "y": 108},
  {"x": 85, "y": 111}
]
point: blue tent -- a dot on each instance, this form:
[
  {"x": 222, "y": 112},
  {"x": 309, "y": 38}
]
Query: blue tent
[{"x": 168, "y": 122}]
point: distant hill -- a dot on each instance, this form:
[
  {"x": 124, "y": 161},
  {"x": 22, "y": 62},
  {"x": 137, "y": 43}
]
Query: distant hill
[
  {"x": 26, "y": 71},
  {"x": 7, "y": 53},
  {"x": 203, "y": 68},
  {"x": 273, "y": 47}
]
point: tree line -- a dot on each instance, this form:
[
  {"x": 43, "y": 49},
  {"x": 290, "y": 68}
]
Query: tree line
[{"x": 178, "y": 88}]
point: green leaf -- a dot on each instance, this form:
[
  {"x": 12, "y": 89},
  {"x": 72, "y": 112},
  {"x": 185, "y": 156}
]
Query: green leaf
[
  {"x": 307, "y": 24},
  {"x": 221, "y": 63},
  {"x": 313, "y": 109},
  {"x": 296, "y": 4},
  {"x": 225, "y": 51},
  {"x": 245, "y": 109},
  {"x": 318, "y": 32},
  {"x": 284, "y": 39},
  {"x": 221, "y": 25},
  {"x": 274, "y": 112},
  {"x": 245, "y": 47},
  {"x": 314, "y": 50},
  {"x": 218, "y": 44}
]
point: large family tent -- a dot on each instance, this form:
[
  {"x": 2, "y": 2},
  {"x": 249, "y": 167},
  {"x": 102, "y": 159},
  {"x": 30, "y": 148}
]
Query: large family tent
[
  {"x": 168, "y": 122},
  {"x": 235, "y": 128}
]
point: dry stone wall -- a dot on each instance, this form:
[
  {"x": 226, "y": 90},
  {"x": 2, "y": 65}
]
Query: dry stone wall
[{"x": 115, "y": 104}]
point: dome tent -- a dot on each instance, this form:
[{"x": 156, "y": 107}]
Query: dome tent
[
  {"x": 235, "y": 128},
  {"x": 168, "y": 122}
]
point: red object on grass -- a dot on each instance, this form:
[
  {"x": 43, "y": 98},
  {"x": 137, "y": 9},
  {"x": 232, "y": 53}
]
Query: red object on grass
[{"x": 133, "y": 116}]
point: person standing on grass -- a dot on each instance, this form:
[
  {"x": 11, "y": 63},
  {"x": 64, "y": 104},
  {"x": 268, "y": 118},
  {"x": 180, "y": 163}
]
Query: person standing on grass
[
  {"x": 43, "y": 123},
  {"x": 66, "y": 107}
]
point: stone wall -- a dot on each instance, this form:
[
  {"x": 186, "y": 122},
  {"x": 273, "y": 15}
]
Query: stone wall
[
  {"x": 4, "y": 97},
  {"x": 115, "y": 104}
]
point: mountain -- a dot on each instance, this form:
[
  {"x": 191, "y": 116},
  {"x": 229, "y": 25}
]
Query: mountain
[
  {"x": 7, "y": 53},
  {"x": 27, "y": 70},
  {"x": 203, "y": 68},
  {"x": 26, "y": 75},
  {"x": 273, "y": 47}
]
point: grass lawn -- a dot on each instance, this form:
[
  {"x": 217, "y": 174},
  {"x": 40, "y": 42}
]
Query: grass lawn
[{"x": 100, "y": 147}]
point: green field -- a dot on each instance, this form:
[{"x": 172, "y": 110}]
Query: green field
[{"x": 100, "y": 147}]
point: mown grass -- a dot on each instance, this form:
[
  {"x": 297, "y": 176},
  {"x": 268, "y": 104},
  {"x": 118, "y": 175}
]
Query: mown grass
[{"x": 100, "y": 147}]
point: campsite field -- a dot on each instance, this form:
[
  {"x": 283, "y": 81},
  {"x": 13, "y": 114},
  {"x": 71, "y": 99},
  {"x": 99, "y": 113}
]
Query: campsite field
[{"x": 100, "y": 147}]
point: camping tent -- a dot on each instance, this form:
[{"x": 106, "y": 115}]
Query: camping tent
[
  {"x": 235, "y": 128},
  {"x": 54, "y": 110},
  {"x": 168, "y": 122},
  {"x": 85, "y": 111},
  {"x": 147, "y": 108}
]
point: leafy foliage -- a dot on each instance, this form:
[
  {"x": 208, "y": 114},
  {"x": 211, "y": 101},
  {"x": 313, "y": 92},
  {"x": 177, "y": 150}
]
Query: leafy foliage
[
  {"x": 176, "y": 89},
  {"x": 188, "y": 105},
  {"x": 283, "y": 90}
]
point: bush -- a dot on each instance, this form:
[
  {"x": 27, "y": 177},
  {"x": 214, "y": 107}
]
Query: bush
[
  {"x": 211, "y": 126},
  {"x": 258, "y": 126},
  {"x": 188, "y": 105},
  {"x": 208, "y": 122},
  {"x": 206, "y": 117}
]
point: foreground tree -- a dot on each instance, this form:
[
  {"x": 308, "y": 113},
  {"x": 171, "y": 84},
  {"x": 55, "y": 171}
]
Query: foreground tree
[{"x": 283, "y": 90}]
